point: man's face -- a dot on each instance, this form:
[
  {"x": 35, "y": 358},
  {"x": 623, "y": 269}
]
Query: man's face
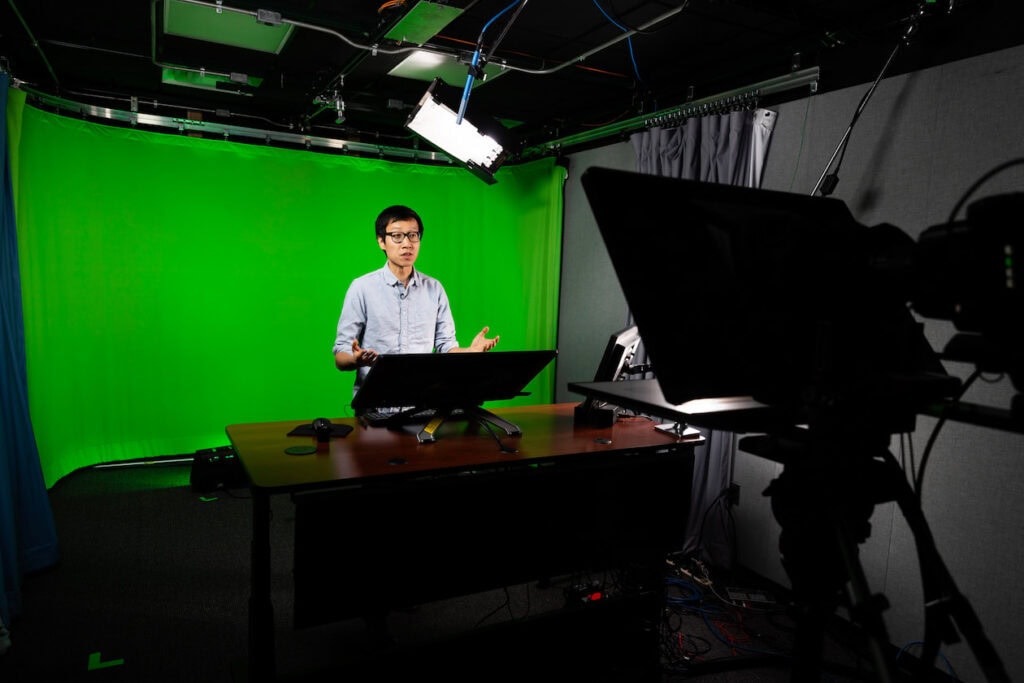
[{"x": 403, "y": 254}]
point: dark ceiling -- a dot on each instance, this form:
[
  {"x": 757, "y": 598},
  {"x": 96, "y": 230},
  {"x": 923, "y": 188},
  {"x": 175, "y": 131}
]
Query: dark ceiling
[{"x": 558, "y": 70}]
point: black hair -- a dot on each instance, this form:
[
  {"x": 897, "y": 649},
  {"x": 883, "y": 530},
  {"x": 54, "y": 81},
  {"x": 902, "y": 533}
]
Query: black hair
[{"x": 396, "y": 213}]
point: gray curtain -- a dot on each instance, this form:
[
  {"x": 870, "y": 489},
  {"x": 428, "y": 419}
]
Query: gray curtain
[{"x": 727, "y": 148}]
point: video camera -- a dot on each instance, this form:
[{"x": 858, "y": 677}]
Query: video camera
[{"x": 966, "y": 272}]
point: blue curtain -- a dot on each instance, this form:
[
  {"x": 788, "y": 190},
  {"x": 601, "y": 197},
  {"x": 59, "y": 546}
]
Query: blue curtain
[{"x": 28, "y": 537}]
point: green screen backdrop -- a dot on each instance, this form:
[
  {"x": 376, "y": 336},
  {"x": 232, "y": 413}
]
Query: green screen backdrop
[{"x": 175, "y": 285}]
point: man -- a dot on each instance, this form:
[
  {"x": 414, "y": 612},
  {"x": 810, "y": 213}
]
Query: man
[{"x": 397, "y": 309}]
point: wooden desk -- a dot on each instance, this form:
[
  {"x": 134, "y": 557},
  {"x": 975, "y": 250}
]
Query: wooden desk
[{"x": 382, "y": 460}]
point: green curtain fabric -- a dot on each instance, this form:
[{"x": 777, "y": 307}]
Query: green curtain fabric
[
  {"x": 28, "y": 538},
  {"x": 174, "y": 285}
]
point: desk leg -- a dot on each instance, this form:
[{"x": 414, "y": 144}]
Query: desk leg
[{"x": 262, "y": 664}]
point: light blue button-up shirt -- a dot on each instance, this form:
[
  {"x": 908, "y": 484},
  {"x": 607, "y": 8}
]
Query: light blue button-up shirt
[{"x": 388, "y": 317}]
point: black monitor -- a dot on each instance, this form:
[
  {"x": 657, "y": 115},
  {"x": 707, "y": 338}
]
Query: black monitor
[
  {"x": 446, "y": 383},
  {"x": 788, "y": 307},
  {"x": 616, "y": 362}
]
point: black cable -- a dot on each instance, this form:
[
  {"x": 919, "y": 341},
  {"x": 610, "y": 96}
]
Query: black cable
[
  {"x": 703, "y": 522},
  {"x": 501, "y": 36},
  {"x": 501, "y": 445},
  {"x": 506, "y": 604},
  {"x": 679, "y": 649},
  {"x": 979, "y": 182},
  {"x": 479, "y": 60},
  {"x": 717, "y": 631},
  {"x": 919, "y": 478},
  {"x": 35, "y": 43}
]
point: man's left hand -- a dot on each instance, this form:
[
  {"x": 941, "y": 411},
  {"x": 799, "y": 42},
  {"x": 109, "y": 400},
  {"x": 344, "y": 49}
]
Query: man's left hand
[{"x": 482, "y": 343}]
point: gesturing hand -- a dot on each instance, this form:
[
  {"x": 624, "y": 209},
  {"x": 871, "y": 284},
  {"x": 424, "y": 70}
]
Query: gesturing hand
[
  {"x": 363, "y": 356},
  {"x": 482, "y": 343}
]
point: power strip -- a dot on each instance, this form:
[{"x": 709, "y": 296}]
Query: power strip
[{"x": 749, "y": 596}]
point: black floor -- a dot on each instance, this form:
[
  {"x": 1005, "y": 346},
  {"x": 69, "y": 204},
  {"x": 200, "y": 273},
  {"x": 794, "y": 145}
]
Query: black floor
[{"x": 153, "y": 586}]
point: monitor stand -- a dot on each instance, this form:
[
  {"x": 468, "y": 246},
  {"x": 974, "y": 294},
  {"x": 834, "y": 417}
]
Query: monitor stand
[
  {"x": 428, "y": 433},
  {"x": 424, "y": 422}
]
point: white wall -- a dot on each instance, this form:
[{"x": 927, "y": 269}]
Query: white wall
[{"x": 922, "y": 141}]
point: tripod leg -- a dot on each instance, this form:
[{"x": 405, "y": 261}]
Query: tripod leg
[
  {"x": 944, "y": 604},
  {"x": 823, "y": 504},
  {"x": 817, "y": 599},
  {"x": 866, "y": 609}
]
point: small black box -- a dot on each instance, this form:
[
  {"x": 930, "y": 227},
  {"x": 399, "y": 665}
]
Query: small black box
[
  {"x": 589, "y": 414},
  {"x": 217, "y": 468}
]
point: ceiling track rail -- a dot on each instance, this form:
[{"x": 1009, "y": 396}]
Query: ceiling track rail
[
  {"x": 727, "y": 101},
  {"x": 733, "y": 99},
  {"x": 210, "y": 129}
]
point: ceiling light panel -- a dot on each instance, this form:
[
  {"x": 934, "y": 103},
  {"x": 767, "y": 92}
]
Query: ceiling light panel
[
  {"x": 244, "y": 85},
  {"x": 423, "y": 22},
  {"x": 426, "y": 66},
  {"x": 200, "y": 22}
]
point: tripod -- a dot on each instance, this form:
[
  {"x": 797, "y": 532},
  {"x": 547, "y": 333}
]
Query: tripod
[{"x": 823, "y": 501}]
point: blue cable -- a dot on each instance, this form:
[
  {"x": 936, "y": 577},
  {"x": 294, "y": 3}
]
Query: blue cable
[
  {"x": 693, "y": 598},
  {"x": 468, "y": 87},
  {"x": 476, "y": 60},
  {"x": 949, "y": 667},
  {"x": 629, "y": 40}
]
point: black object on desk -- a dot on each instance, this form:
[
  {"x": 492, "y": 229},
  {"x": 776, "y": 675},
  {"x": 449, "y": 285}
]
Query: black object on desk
[
  {"x": 337, "y": 430},
  {"x": 446, "y": 383}
]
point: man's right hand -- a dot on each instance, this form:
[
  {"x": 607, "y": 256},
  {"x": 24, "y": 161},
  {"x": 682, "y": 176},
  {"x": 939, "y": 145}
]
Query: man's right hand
[{"x": 363, "y": 356}]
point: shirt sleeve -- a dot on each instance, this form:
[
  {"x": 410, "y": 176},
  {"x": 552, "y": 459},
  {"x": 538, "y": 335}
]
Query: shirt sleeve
[
  {"x": 352, "y": 322},
  {"x": 444, "y": 329}
]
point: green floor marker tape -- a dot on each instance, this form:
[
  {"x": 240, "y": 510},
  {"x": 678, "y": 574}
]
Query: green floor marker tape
[{"x": 95, "y": 663}]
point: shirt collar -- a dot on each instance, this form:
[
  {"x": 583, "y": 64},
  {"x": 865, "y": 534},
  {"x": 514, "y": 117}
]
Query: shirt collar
[{"x": 393, "y": 281}]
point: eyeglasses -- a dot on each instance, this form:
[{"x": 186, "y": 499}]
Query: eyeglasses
[{"x": 399, "y": 237}]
